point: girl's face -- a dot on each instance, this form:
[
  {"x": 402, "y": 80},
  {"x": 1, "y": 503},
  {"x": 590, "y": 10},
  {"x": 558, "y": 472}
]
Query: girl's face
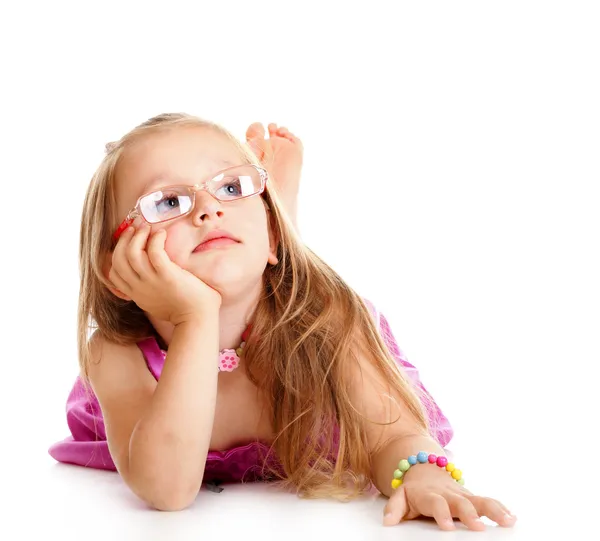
[{"x": 187, "y": 156}]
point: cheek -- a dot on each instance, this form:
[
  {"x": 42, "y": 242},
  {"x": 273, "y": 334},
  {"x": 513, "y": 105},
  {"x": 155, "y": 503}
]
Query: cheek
[
  {"x": 256, "y": 233},
  {"x": 175, "y": 244}
]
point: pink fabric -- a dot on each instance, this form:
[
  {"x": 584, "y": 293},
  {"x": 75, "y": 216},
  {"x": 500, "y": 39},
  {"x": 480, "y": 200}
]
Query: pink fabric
[
  {"x": 87, "y": 446},
  {"x": 440, "y": 427}
]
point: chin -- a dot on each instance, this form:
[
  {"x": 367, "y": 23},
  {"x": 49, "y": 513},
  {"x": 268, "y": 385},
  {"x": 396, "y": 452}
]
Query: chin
[
  {"x": 231, "y": 281},
  {"x": 218, "y": 274}
]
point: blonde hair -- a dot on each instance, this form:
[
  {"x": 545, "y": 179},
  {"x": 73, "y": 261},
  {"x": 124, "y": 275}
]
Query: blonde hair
[{"x": 307, "y": 331}]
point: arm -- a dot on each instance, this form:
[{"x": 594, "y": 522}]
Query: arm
[
  {"x": 427, "y": 490},
  {"x": 399, "y": 437},
  {"x": 159, "y": 433}
]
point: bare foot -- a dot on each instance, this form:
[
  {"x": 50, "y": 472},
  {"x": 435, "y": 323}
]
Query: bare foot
[{"x": 281, "y": 155}]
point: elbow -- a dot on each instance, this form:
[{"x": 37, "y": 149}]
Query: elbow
[
  {"x": 169, "y": 486},
  {"x": 170, "y": 496},
  {"x": 171, "y": 503}
]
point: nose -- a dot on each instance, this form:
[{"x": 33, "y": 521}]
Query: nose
[{"x": 205, "y": 206}]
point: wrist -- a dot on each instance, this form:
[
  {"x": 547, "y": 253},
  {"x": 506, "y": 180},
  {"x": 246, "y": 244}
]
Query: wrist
[
  {"x": 386, "y": 461},
  {"x": 422, "y": 467},
  {"x": 209, "y": 312}
]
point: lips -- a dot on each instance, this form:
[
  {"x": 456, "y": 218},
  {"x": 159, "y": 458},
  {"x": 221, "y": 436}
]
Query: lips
[
  {"x": 216, "y": 238},
  {"x": 214, "y": 243}
]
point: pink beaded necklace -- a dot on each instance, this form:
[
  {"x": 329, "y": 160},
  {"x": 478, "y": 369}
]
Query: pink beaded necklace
[{"x": 229, "y": 359}]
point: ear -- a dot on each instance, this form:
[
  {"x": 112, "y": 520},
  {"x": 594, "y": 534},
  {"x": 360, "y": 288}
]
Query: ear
[
  {"x": 273, "y": 237},
  {"x": 106, "y": 270}
]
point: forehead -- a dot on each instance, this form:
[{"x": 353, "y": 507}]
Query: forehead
[{"x": 180, "y": 155}]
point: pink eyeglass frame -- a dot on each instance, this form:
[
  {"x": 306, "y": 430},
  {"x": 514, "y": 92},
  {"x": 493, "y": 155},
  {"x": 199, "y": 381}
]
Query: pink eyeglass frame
[{"x": 136, "y": 211}]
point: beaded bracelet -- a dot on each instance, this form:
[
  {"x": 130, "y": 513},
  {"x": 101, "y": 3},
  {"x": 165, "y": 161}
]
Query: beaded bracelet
[{"x": 422, "y": 457}]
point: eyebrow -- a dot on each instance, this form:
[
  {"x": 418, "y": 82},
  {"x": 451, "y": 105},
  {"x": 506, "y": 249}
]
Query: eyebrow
[{"x": 163, "y": 180}]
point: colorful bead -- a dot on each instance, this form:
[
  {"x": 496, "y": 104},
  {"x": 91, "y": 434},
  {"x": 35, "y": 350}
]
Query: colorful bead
[
  {"x": 441, "y": 461},
  {"x": 422, "y": 457},
  {"x": 404, "y": 465},
  {"x": 396, "y": 483}
]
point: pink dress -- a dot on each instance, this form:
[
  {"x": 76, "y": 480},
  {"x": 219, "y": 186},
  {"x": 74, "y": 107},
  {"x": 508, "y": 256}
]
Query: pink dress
[{"x": 87, "y": 446}]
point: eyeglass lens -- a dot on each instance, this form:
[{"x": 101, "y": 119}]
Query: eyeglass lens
[{"x": 175, "y": 201}]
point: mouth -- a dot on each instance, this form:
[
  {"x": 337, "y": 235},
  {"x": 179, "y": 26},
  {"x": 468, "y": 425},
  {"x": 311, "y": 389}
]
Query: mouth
[{"x": 218, "y": 242}]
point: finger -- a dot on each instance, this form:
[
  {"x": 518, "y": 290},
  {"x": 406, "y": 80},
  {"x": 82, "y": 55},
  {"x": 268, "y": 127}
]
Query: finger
[
  {"x": 436, "y": 506},
  {"x": 156, "y": 251},
  {"x": 493, "y": 510},
  {"x": 506, "y": 510},
  {"x": 465, "y": 511},
  {"x": 395, "y": 508},
  {"x": 120, "y": 258},
  {"x": 136, "y": 253},
  {"x": 118, "y": 282}
]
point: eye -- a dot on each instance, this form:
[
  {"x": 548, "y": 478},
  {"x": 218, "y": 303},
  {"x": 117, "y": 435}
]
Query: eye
[
  {"x": 231, "y": 188},
  {"x": 167, "y": 202}
]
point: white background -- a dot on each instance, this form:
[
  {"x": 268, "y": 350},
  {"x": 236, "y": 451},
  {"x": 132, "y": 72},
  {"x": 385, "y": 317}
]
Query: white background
[{"x": 451, "y": 176}]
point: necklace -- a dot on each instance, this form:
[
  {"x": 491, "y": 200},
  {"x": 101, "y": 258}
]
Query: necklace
[{"x": 229, "y": 359}]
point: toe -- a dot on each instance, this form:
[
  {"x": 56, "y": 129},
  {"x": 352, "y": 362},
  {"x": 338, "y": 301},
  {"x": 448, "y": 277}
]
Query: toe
[
  {"x": 272, "y": 129},
  {"x": 255, "y": 130},
  {"x": 258, "y": 147},
  {"x": 287, "y": 134}
]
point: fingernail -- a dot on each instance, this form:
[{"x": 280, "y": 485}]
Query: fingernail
[
  {"x": 508, "y": 517},
  {"x": 449, "y": 523}
]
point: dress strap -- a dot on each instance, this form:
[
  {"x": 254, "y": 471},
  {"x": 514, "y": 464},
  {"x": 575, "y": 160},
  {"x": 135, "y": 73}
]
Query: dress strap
[{"x": 154, "y": 356}]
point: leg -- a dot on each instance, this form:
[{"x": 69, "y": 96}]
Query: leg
[{"x": 281, "y": 154}]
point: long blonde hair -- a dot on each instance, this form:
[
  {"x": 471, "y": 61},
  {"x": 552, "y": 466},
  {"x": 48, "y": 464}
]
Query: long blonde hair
[{"x": 307, "y": 331}]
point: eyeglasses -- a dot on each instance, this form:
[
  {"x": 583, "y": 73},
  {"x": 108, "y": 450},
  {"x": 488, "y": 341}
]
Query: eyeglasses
[{"x": 173, "y": 202}]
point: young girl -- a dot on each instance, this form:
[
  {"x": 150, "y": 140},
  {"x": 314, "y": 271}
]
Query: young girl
[{"x": 226, "y": 350}]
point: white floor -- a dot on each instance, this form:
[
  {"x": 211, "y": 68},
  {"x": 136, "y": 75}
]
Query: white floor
[{"x": 78, "y": 503}]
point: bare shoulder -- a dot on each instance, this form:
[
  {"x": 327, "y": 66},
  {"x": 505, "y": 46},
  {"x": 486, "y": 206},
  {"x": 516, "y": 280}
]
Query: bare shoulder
[{"x": 117, "y": 367}]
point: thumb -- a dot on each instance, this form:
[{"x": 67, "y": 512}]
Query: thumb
[{"x": 395, "y": 508}]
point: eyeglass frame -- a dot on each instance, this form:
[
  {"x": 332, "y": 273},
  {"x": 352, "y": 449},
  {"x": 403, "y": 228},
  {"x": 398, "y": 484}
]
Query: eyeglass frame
[{"x": 192, "y": 189}]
